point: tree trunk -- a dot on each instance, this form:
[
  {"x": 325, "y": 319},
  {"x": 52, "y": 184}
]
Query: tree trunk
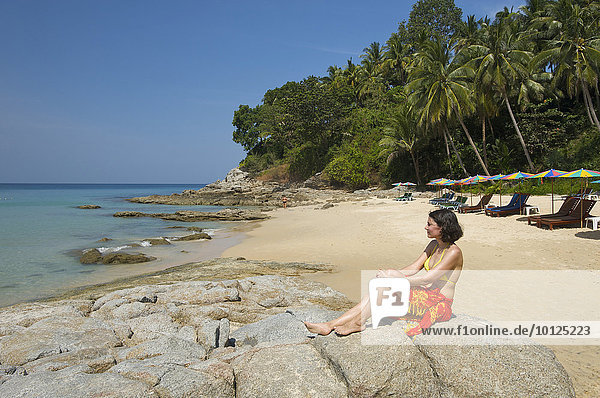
[
  {"x": 416, "y": 164},
  {"x": 448, "y": 153},
  {"x": 587, "y": 109},
  {"x": 456, "y": 153},
  {"x": 491, "y": 128},
  {"x": 485, "y": 159},
  {"x": 472, "y": 143},
  {"x": 588, "y": 97},
  {"x": 512, "y": 116}
]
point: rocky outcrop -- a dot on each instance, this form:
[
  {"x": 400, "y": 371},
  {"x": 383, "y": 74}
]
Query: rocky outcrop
[
  {"x": 93, "y": 256},
  {"x": 172, "y": 334},
  {"x": 193, "y": 216},
  {"x": 197, "y": 236},
  {"x": 89, "y": 207},
  {"x": 126, "y": 258},
  {"x": 240, "y": 189}
]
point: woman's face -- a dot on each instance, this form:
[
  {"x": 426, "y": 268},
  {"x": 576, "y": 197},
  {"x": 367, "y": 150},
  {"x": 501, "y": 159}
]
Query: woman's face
[{"x": 433, "y": 230}]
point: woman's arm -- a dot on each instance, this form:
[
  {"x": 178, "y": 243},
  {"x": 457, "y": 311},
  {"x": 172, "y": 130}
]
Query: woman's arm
[{"x": 409, "y": 270}]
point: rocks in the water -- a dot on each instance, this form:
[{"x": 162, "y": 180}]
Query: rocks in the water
[
  {"x": 105, "y": 240},
  {"x": 198, "y": 236},
  {"x": 90, "y": 256},
  {"x": 195, "y": 229},
  {"x": 93, "y": 256},
  {"x": 157, "y": 241},
  {"x": 89, "y": 207},
  {"x": 240, "y": 189},
  {"x": 171, "y": 336},
  {"x": 126, "y": 258},
  {"x": 193, "y": 216}
]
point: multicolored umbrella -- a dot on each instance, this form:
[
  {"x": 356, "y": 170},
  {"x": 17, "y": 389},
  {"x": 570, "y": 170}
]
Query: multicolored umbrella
[
  {"x": 516, "y": 176},
  {"x": 581, "y": 173},
  {"x": 408, "y": 183},
  {"x": 596, "y": 182},
  {"x": 551, "y": 174}
]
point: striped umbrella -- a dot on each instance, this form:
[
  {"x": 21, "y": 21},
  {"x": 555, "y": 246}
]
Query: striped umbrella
[
  {"x": 408, "y": 183},
  {"x": 581, "y": 173},
  {"x": 550, "y": 174},
  {"x": 596, "y": 182}
]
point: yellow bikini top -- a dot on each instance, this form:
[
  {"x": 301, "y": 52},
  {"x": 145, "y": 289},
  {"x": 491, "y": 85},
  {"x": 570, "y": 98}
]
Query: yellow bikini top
[{"x": 426, "y": 265}]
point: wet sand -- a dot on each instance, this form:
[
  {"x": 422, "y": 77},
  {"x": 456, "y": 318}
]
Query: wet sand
[{"x": 382, "y": 233}]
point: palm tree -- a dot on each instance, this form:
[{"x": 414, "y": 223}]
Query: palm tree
[
  {"x": 401, "y": 134},
  {"x": 396, "y": 60},
  {"x": 374, "y": 55},
  {"x": 439, "y": 88},
  {"x": 575, "y": 50},
  {"x": 501, "y": 62}
]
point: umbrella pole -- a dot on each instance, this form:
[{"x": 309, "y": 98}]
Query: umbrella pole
[
  {"x": 581, "y": 190},
  {"x": 553, "y": 196}
]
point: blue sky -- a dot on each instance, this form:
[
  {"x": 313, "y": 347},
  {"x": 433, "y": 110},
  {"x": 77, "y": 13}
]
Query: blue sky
[{"x": 143, "y": 91}]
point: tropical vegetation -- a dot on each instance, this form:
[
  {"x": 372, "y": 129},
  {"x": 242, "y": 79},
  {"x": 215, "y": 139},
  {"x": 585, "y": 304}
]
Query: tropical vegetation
[{"x": 442, "y": 97}]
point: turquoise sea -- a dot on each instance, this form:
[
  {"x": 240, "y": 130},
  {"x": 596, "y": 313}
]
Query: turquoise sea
[{"x": 42, "y": 232}]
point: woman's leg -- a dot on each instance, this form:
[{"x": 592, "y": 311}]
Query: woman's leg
[{"x": 349, "y": 322}]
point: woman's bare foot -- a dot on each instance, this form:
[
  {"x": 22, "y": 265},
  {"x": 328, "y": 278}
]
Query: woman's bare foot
[
  {"x": 349, "y": 328},
  {"x": 320, "y": 328}
]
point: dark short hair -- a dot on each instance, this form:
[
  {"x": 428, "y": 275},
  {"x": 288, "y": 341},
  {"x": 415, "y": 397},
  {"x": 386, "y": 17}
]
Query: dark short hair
[{"x": 446, "y": 219}]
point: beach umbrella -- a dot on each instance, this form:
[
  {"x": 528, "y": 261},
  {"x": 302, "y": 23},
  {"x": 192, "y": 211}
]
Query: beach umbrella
[
  {"x": 581, "y": 173},
  {"x": 550, "y": 174},
  {"x": 519, "y": 175},
  {"x": 596, "y": 182},
  {"x": 408, "y": 183},
  {"x": 476, "y": 180}
]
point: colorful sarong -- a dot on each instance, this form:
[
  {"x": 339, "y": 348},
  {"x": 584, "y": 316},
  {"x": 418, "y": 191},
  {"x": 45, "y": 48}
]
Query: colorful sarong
[{"x": 429, "y": 304}]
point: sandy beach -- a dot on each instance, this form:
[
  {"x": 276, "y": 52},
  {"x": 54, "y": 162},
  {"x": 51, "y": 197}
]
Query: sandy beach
[{"x": 382, "y": 233}]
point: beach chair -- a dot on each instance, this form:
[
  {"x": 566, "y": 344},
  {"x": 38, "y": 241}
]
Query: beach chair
[
  {"x": 566, "y": 208},
  {"x": 447, "y": 197},
  {"x": 576, "y": 216},
  {"x": 407, "y": 197},
  {"x": 515, "y": 206},
  {"x": 582, "y": 193},
  {"x": 459, "y": 202},
  {"x": 485, "y": 199}
]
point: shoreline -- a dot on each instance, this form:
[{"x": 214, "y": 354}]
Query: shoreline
[{"x": 168, "y": 256}]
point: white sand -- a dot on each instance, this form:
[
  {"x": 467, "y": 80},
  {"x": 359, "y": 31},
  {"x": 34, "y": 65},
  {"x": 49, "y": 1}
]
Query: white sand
[{"x": 382, "y": 233}]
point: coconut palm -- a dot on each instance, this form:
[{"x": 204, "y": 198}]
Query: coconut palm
[
  {"x": 401, "y": 134},
  {"x": 439, "y": 88},
  {"x": 502, "y": 64},
  {"x": 575, "y": 49}
]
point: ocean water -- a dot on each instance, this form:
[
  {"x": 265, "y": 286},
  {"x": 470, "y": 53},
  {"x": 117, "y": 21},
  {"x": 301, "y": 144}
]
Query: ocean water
[{"x": 42, "y": 232}]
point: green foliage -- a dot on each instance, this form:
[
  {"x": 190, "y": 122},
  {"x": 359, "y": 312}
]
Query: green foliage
[
  {"x": 430, "y": 18},
  {"x": 348, "y": 167},
  {"x": 524, "y": 63}
]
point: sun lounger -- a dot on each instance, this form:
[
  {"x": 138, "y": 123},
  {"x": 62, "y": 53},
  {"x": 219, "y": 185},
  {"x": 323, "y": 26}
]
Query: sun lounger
[
  {"x": 514, "y": 207},
  {"x": 485, "y": 199},
  {"x": 406, "y": 197},
  {"x": 566, "y": 208},
  {"x": 583, "y": 192},
  {"x": 461, "y": 200},
  {"x": 576, "y": 216},
  {"x": 447, "y": 197}
]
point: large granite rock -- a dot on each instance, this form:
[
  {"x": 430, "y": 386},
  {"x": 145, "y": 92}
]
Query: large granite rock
[
  {"x": 172, "y": 334},
  {"x": 286, "y": 371},
  {"x": 193, "y": 216},
  {"x": 240, "y": 189},
  {"x": 74, "y": 382}
]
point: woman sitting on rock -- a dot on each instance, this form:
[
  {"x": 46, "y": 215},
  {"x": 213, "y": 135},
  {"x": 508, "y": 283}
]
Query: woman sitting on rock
[{"x": 432, "y": 278}]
